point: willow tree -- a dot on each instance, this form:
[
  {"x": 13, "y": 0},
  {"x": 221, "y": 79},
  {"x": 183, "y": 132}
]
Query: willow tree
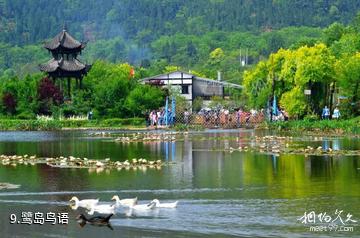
[
  {"x": 257, "y": 85},
  {"x": 287, "y": 73},
  {"x": 315, "y": 71},
  {"x": 348, "y": 72}
]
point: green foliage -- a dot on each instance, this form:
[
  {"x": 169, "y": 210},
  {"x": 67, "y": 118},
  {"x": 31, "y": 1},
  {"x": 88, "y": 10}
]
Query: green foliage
[
  {"x": 23, "y": 91},
  {"x": 120, "y": 122},
  {"x": 204, "y": 36},
  {"x": 171, "y": 68},
  {"x": 333, "y": 33},
  {"x": 257, "y": 85},
  {"x": 315, "y": 64},
  {"x": 108, "y": 90},
  {"x": 181, "y": 104},
  {"x": 30, "y": 125},
  {"x": 179, "y": 33},
  {"x": 110, "y": 18},
  {"x": 348, "y": 70},
  {"x": 183, "y": 127},
  {"x": 143, "y": 98},
  {"x": 287, "y": 73},
  {"x": 311, "y": 117},
  {"x": 294, "y": 102},
  {"x": 110, "y": 84},
  {"x": 48, "y": 125},
  {"x": 217, "y": 102},
  {"x": 197, "y": 104},
  {"x": 216, "y": 56},
  {"x": 107, "y": 123},
  {"x": 324, "y": 126}
]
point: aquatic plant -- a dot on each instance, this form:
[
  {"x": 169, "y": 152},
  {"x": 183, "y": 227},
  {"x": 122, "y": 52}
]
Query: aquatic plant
[
  {"x": 8, "y": 186},
  {"x": 75, "y": 162}
]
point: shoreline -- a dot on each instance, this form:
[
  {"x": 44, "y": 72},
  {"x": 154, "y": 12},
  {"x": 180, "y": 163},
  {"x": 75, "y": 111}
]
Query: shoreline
[
  {"x": 350, "y": 127},
  {"x": 105, "y": 129}
]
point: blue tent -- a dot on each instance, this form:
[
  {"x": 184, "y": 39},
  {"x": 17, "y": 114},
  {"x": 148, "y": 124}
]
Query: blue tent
[
  {"x": 274, "y": 107},
  {"x": 173, "y": 108},
  {"x": 166, "y": 113}
]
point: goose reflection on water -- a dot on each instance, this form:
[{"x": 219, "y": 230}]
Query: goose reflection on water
[{"x": 95, "y": 221}]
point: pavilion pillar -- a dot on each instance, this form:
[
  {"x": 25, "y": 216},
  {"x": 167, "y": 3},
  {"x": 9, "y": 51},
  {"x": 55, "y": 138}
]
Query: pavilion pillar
[{"x": 69, "y": 87}]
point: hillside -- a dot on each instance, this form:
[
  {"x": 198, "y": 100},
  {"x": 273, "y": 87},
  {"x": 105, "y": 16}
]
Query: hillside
[
  {"x": 28, "y": 22},
  {"x": 165, "y": 32}
]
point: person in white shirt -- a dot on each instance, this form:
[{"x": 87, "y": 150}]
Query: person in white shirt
[{"x": 336, "y": 114}]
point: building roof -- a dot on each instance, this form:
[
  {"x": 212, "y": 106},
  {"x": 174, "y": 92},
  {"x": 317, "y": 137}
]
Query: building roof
[
  {"x": 64, "y": 65},
  {"x": 224, "y": 83},
  {"x": 185, "y": 75},
  {"x": 171, "y": 75},
  {"x": 64, "y": 40}
]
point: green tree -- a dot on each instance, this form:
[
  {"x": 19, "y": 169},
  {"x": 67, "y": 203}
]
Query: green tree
[
  {"x": 110, "y": 85},
  {"x": 294, "y": 102},
  {"x": 216, "y": 57},
  {"x": 144, "y": 98},
  {"x": 333, "y": 33},
  {"x": 257, "y": 85},
  {"x": 197, "y": 104},
  {"x": 348, "y": 71},
  {"x": 287, "y": 74}
]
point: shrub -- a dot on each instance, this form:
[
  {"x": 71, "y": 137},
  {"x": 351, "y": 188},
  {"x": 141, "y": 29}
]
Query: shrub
[
  {"x": 48, "y": 95},
  {"x": 311, "y": 117},
  {"x": 26, "y": 115},
  {"x": 9, "y": 103},
  {"x": 338, "y": 126}
]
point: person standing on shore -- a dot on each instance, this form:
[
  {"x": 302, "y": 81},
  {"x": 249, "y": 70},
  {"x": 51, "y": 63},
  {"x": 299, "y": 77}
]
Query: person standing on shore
[
  {"x": 90, "y": 115},
  {"x": 152, "y": 117},
  {"x": 186, "y": 117},
  {"x": 238, "y": 117},
  {"x": 336, "y": 114},
  {"x": 325, "y": 113}
]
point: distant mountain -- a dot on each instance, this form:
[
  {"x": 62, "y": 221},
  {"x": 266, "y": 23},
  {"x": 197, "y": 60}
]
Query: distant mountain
[{"x": 32, "y": 21}]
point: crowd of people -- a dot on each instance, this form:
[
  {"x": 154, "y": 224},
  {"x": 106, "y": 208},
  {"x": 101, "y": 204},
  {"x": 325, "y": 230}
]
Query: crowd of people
[
  {"x": 160, "y": 118},
  {"x": 234, "y": 118},
  {"x": 213, "y": 117},
  {"x": 226, "y": 117}
]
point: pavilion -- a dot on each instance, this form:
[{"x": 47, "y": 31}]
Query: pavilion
[{"x": 64, "y": 64}]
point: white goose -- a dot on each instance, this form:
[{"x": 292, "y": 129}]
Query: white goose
[
  {"x": 128, "y": 202},
  {"x": 85, "y": 203},
  {"x": 143, "y": 207},
  {"x": 102, "y": 209},
  {"x": 164, "y": 205}
]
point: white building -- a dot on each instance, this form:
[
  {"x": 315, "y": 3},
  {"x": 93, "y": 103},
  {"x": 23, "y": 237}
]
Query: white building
[{"x": 190, "y": 86}]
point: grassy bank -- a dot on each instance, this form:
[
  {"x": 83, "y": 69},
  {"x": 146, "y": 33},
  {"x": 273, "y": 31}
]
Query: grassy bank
[
  {"x": 351, "y": 126},
  {"x": 34, "y": 125}
]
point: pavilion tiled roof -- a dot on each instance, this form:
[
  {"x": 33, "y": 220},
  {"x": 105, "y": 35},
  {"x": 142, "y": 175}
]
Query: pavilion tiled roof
[
  {"x": 64, "y": 40},
  {"x": 64, "y": 65}
]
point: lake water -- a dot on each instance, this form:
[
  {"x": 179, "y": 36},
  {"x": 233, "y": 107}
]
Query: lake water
[{"x": 220, "y": 194}]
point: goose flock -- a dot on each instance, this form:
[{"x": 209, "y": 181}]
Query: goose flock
[{"x": 93, "y": 205}]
